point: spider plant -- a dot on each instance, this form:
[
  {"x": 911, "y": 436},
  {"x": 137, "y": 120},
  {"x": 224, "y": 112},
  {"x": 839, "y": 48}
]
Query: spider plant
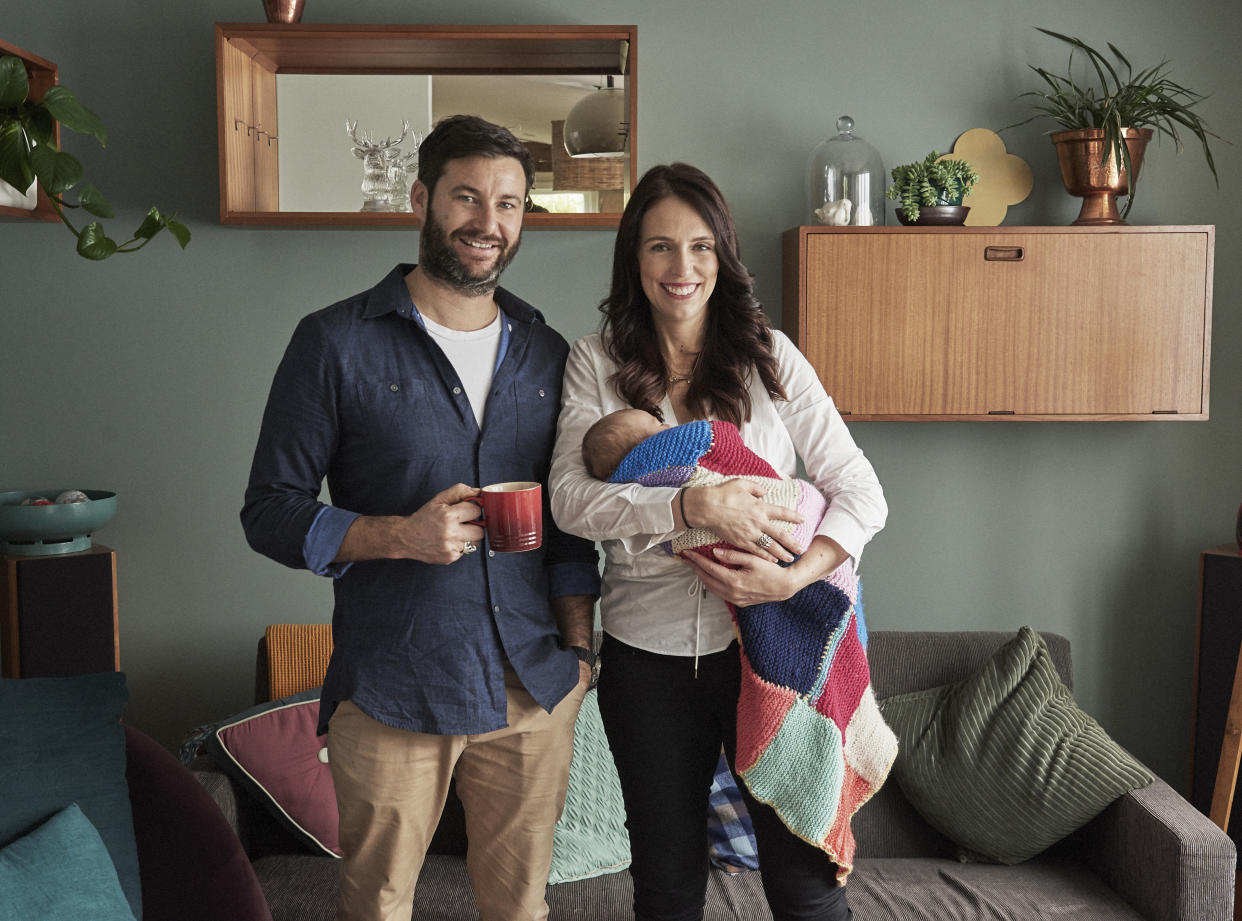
[{"x": 1123, "y": 99}]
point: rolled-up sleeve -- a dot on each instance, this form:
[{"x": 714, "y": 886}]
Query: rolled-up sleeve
[{"x": 296, "y": 441}]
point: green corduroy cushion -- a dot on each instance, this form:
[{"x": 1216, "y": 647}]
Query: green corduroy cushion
[{"x": 1004, "y": 762}]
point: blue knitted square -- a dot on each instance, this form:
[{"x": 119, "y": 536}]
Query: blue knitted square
[{"x": 785, "y": 640}]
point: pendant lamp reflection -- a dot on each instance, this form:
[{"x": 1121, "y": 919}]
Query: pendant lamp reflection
[{"x": 596, "y": 126}]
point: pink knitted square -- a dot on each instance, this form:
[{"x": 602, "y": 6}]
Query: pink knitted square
[
  {"x": 765, "y": 706},
  {"x": 848, "y": 677}
]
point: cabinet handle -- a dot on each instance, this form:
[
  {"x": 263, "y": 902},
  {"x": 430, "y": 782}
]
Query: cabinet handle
[{"x": 1003, "y": 253}]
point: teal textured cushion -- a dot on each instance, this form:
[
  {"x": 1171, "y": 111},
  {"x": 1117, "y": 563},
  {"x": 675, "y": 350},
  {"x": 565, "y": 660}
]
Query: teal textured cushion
[
  {"x": 61, "y": 742},
  {"x": 590, "y": 839},
  {"x": 1004, "y": 762},
  {"x": 61, "y": 871}
]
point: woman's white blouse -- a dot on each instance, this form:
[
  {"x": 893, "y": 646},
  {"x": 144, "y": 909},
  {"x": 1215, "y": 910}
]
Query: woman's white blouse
[{"x": 649, "y": 599}]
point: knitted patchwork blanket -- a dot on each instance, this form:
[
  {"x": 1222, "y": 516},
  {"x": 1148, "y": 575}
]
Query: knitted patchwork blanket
[{"x": 811, "y": 742}]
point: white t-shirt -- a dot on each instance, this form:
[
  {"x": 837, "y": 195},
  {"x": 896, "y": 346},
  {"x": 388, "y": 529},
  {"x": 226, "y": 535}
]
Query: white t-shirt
[
  {"x": 473, "y": 355},
  {"x": 650, "y": 600}
]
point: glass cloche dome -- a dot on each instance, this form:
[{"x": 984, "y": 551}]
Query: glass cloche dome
[{"x": 845, "y": 180}]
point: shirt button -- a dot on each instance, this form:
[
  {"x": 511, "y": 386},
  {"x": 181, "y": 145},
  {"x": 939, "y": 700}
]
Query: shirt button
[
  {"x": 496, "y": 608},
  {"x": 456, "y": 390},
  {"x": 394, "y": 387},
  {"x": 491, "y": 553},
  {"x": 541, "y": 393}
]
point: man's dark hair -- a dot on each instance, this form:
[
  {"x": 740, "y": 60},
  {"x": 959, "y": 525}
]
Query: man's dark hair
[{"x": 459, "y": 136}]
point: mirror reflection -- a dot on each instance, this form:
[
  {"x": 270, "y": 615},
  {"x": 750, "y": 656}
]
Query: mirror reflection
[
  {"x": 321, "y": 124},
  {"x": 327, "y": 165}
]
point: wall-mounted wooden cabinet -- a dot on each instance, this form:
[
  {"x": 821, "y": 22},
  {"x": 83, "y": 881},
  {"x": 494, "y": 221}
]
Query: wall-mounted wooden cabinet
[{"x": 1004, "y": 323}]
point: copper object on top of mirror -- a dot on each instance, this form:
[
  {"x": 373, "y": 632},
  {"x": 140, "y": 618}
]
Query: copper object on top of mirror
[{"x": 283, "y": 10}]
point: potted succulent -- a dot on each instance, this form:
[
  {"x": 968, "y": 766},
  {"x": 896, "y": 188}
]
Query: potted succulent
[
  {"x": 1106, "y": 127},
  {"x": 28, "y": 151},
  {"x": 931, "y": 191}
]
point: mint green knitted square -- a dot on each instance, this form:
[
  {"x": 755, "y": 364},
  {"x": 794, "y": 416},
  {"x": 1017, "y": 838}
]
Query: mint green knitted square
[{"x": 802, "y": 770}]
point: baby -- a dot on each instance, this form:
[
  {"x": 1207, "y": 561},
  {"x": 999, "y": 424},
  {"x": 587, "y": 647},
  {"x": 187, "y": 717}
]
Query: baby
[
  {"x": 810, "y": 738},
  {"x": 633, "y": 446},
  {"x": 606, "y": 443}
]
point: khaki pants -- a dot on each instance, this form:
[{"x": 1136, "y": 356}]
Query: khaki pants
[{"x": 391, "y": 786}]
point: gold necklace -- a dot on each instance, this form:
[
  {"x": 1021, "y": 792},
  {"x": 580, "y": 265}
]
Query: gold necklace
[{"x": 673, "y": 379}]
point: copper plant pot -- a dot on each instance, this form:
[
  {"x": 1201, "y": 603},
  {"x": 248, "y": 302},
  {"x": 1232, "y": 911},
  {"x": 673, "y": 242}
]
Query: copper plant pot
[
  {"x": 1085, "y": 173},
  {"x": 288, "y": 11}
]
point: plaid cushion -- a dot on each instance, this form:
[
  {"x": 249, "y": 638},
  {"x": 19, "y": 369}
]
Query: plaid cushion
[{"x": 730, "y": 835}]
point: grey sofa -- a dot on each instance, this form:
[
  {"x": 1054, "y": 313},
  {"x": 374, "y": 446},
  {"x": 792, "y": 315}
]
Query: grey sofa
[{"x": 1150, "y": 855}]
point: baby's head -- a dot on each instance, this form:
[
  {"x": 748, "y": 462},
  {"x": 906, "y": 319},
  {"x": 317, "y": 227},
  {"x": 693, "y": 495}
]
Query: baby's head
[{"x": 611, "y": 438}]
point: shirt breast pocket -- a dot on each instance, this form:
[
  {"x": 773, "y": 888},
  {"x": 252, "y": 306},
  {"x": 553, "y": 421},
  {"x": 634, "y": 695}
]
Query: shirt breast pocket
[
  {"x": 536, "y": 406},
  {"x": 394, "y": 417}
]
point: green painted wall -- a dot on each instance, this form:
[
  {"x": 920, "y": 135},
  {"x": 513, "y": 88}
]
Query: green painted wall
[{"x": 147, "y": 375}]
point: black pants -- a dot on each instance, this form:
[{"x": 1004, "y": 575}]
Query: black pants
[{"x": 665, "y": 727}]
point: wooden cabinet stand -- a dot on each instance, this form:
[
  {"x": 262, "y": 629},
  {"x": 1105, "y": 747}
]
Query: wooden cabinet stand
[
  {"x": 58, "y": 614},
  {"x": 1004, "y": 323}
]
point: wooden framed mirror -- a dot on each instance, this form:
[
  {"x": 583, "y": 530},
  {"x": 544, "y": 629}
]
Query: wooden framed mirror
[{"x": 286, "y": 92}]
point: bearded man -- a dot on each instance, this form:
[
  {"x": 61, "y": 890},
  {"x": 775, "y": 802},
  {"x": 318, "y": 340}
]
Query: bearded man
[{"x": 446, "y": 661}]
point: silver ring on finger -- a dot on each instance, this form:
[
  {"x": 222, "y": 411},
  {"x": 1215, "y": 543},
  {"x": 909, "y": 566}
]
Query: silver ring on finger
[
  {"x": 764, "y": 541},
  {"x": 468, "y": 547}
]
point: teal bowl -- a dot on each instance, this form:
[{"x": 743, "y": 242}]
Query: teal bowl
[{"x": 42, "y": 530}]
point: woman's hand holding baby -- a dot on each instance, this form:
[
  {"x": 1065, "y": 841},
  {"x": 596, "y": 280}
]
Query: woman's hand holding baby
[
  {"x": 738, "y": 511},
  {"x": 744, "y": 579}
]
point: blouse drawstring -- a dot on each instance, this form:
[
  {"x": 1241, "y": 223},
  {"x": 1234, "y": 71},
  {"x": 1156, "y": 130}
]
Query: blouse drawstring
[{"x": 697, "y": 589}]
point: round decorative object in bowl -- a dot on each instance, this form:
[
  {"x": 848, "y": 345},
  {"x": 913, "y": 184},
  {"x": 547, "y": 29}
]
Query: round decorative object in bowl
[{"x": 29, "y": 527}]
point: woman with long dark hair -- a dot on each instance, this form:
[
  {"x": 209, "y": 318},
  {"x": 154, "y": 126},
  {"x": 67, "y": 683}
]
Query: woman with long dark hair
[{"x": 684, "y": 338}]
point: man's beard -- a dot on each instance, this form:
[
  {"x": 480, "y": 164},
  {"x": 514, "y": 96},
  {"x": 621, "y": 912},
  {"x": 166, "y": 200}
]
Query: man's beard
[{"x": 439, "y": 260}]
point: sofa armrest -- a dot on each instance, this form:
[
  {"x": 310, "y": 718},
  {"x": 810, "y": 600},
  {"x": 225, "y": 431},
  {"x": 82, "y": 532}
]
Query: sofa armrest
[
  {"x": 1163, "y": 856},
  {"x": 220, "y": 788}
]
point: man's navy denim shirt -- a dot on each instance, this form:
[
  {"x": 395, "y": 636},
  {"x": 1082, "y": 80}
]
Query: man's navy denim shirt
[{"x": 364, "y": 398}]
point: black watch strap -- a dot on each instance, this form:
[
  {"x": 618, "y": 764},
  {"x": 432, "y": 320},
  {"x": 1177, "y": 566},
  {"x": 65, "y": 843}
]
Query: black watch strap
[{"x": 584, "y": 655}]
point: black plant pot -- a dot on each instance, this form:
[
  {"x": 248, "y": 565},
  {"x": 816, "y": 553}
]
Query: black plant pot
[{"x": 936, "y": 215}]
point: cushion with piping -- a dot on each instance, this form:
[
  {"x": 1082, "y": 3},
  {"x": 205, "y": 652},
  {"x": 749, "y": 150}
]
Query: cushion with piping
[
  {"x": 1004, "y": 762},
  {"x": 273, "y": 751}
]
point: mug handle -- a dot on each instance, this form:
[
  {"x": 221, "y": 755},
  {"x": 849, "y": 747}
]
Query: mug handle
[{"x": 479, "y": 502}]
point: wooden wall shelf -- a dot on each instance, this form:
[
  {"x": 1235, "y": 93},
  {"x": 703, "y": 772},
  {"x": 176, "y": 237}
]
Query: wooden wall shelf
[
  {"x": 250, "y": 55},
  {"x": 42, "y": 74},
  {"x": 1004, "y": 324}
]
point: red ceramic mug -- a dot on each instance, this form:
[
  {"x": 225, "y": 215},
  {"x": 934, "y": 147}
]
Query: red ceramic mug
[{"x": 512, "y": 515}]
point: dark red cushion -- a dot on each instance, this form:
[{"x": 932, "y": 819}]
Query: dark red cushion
[{"x": 273, "y": 751}]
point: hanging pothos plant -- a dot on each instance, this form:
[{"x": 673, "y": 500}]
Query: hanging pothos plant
[{"x": 28, "y": 151}]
